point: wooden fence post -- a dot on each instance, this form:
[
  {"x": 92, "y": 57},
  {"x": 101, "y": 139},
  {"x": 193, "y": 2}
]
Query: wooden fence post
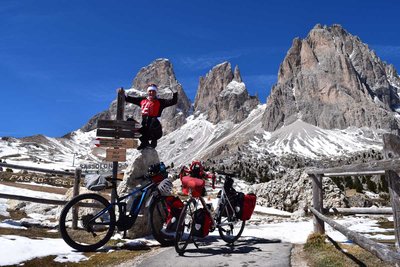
[
  {"x": 77, "y": 184},
  {"x": 120, "y": 117},
  {"x": 318, "y": 202},
  {"x": 391, "y": 149}
]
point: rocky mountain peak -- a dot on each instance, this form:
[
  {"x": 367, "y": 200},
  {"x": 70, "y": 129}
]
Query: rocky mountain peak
[
  {"x": 161, "y": 73},
  {"x": 236, "y": 75},
  {"x": 223, "y": 96},
  {"x": 332, "y": 80}
]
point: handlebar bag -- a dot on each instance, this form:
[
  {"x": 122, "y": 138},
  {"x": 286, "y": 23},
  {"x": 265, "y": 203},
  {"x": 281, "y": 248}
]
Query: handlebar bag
[{"x": 194, "y": 184}]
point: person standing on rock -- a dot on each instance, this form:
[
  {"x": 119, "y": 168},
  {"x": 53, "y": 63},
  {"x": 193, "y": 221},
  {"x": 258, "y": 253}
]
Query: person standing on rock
[{"x": 151, "y": 107}]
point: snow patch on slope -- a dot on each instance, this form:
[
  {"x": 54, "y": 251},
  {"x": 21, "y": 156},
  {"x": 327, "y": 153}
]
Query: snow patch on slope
[{"x": 310, "y": 141}]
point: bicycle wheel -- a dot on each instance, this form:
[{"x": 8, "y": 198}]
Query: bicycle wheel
[
  {"x": 184, "y": 228},
  {"x": 158, "y": 222},
  {"x": 95, "y": 222},
  {"x": 230, "y": 228}
]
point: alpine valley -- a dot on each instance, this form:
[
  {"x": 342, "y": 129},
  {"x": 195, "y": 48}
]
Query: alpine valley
[{"x": 333, "y": 100}]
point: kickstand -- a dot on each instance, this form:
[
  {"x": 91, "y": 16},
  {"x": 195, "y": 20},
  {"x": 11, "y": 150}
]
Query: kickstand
[
  {"x": 124, "y": 236},
  {"x": 195, "y": 243}
]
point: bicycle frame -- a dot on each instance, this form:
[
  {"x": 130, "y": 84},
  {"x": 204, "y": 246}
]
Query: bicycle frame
[
  {"x": 224, "y": 198},
  {"x": 134, "y": 211}
]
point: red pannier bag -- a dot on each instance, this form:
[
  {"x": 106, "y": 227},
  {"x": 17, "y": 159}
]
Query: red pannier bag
[
  {"x": 174, "y": 207},
  {"x": 195, "y": 184},
  {"x": 247, "y": 209}
]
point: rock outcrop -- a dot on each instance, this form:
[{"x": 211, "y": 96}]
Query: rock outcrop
[
  {"x": 332, "y": 80},
  {"x": 137, "y": 167},
  {"x": 223, "y": 96},
  {"x": 161, "y": 73},
  {"x": 293, "y": 192}
]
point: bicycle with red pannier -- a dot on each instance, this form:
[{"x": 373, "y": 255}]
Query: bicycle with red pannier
[{"x": 197, "y": 220}]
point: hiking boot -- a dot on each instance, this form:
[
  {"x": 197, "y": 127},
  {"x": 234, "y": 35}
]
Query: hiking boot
[
  {"x": 153, "y": 143},
  {"x": 142, "y": 146}
]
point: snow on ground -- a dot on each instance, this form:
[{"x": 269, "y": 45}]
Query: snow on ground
[{"x": 17, "y": 249}]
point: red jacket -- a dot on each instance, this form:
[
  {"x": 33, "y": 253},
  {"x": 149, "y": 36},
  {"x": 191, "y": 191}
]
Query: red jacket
[{"x": 152, "y": 108}]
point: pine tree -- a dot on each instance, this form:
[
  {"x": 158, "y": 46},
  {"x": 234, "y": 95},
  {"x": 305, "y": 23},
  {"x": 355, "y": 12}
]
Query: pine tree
[
  {"x": 357, "y": 185},
  {"x": 371, "y": 185},
  {"x": 349, "y": 182}
]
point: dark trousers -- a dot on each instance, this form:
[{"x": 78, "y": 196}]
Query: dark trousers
[{"x": 151, "y": 130}]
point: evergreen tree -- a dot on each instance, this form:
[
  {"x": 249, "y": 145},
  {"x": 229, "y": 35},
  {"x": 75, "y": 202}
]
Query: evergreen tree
[
  {"x": 349, "y": 182},
  {"x": 385, "y": 186},
  {"x": 371, "y": 185},
  {"x": 357, "y": 185}
]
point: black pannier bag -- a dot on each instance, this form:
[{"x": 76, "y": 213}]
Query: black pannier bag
[{"x": 202, "y": 222}]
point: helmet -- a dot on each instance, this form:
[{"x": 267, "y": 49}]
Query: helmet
[{"x": 165, "y": 187}]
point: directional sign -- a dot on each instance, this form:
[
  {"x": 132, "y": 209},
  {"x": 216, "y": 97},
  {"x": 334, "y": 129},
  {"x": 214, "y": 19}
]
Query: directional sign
[
  {"x": 118, "y": 129},
  {"x": 116, "y": 154},
  {"x": 118, "y": 133},
  {"x": 113, "y": 124},
  {"x": 116, "y": 143}
]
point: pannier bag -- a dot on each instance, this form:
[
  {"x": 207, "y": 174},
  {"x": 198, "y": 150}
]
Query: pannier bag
[
  {"x": 174, "y": 207},
  {"x": 246, "y": 204},
  {"x": 95, "y": 182},
  {"x": 195, "y": 184},
  {"x": 202, "y": 223}
]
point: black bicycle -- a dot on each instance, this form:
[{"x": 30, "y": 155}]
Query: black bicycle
[
  {"x": 87, "y": 222},
  {"x": 225, "y": 217}
]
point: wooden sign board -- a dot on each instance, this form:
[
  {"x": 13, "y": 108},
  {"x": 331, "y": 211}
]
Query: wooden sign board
[
  {"x": 116, "y": 154},
  {"x": 118, "y": 133},
  {"x": 118, "y": 124},
  {"x": 120, "y": 143}
]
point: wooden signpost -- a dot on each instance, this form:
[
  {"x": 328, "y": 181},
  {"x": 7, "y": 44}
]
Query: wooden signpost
[
  {"x": 120, "y": 143},
  {"x": 116, "y": 154},
  {"x": 117, "y": 129}
]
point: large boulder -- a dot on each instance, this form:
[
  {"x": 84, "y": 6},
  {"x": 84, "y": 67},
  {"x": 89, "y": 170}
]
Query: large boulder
[{"x": 137, "y": 167}]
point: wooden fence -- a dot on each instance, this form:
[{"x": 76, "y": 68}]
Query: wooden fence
[
  {"x": 391, "y": 168},
  {"x": 77, "y": 179}
]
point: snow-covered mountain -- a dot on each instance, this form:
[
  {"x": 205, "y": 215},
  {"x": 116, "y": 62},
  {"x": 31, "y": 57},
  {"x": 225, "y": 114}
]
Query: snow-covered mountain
[{"x": 227, "y": 125}]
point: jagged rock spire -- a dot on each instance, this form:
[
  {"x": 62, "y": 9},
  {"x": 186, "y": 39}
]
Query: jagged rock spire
[
  {"x": 223, "y": 96},
  {"x": 332, "y": 80}
]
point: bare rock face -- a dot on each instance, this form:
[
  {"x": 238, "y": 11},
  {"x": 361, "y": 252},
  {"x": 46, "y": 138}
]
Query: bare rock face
[
  {"x": 332, "y": 80},
  {"x": 137, "y": 167},
  {"x": 161, "y": 73},
  {"x": 223, "y": 96}
]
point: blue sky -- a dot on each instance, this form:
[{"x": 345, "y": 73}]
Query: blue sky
[{"x": 61, "y": 61}]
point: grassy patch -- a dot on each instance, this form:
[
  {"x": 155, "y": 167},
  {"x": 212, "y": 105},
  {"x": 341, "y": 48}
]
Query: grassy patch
[
  {"x": 31, "y": 232},
  {"x": 320, "y": 253},
  {"x": 95, "y": 259}
]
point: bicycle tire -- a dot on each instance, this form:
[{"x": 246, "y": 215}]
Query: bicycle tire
[
  {"x": 87, "y": 236},
  {"x": 158, "y": 214},
  {"x": 184, "y": 228},
  {"x": 230, "y": 228}
]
